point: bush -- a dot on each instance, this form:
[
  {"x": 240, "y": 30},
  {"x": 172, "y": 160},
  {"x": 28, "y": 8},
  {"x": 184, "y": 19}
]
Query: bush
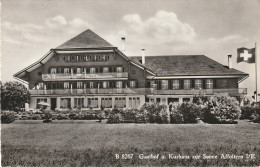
[
  {"x": 185, "y": 113},
  {"x": 247, "y": 112},
  {"x": 47, "y": 117},
  {"x": 256, "y": 115},
  {"x": 62, "y": 117},
  {"x": 156, "y": 113},
  {"x": 221, "y": 109},
  {"x": 7, "y": 117},
  {"x": 114, "y": 118}
]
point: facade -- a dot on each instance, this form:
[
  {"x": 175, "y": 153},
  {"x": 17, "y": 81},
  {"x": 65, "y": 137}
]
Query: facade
[{"x": 88, "y": 72}]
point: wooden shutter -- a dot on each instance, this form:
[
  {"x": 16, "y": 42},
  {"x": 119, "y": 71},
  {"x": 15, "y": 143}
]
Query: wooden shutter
[
  {"x": 159, "y": 84},
  {"x": 100, "y": 84},
  {"x": 148, "y": 84},
  {"x": 101, "y": 69},
  {"x": 124, "y": 84},
  {"x": 204, "y": 84},
  {"x": 123, "y": 69},
  {"x": 192, "y": 83},
  {"x": 136, "y": 83},
  {"x": 97, "y": 70},
  {"x": 169, "y": 84}
]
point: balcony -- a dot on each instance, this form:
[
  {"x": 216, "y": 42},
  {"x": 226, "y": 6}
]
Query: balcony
[
  {"x": 143, "y": 91},
  {"x": 237, "y": 91},
  {"x": 96, "y": 76},
  {"x": 91, "y": 91}
]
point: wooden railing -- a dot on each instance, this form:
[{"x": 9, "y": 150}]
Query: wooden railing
[
  {"x": 55, "y": 77},
  {"x": 144, "y": 91}
]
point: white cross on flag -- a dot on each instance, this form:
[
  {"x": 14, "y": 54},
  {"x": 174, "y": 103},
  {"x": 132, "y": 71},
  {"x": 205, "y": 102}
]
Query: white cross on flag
[{"x": 246, "y": 55}]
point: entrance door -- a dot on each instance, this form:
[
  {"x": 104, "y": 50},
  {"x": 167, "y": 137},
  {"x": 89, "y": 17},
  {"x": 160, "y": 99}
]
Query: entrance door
[{"x": 53, "y": 103}]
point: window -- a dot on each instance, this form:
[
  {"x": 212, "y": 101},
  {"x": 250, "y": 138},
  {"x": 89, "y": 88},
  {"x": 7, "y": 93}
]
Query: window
[
  {"x": 120, "y": 102},
  {"x": 164, "y": 101},
  {"x": 79, "y": 85},
  {"x": 91, "y": 85},
  {"x": 53, "y": 71},
  {"x": 105, "y": 70},
  {"x": 164, "y": 84},
  {"x": 119, "y": 84},
  {"x": 209, "y": 83},
  {"x": 105, "y": 84},
  {"x": 153, "y": 84},
  {"x": 65, "y": 102},
  {"x": 119, "y": 69},
  {"x": 106, "y": 102},
  {"x": 79, "y": 70},
  {"x": 186, "y": 84},
  {"x": 132, "y": 84},
  {"x": 198, "y": 84},
  {"x": 107, "y": 57},
  {"x": 175, "y": 84},
  {"x": 93, "y": 102},
  {"x": 66, "y": 85},
  {"x": 40, "y": 85},
  {"x": 134, "y": 102},
  {"x": 79, "y": 102},
  {"x": 224, "y": 83},
  {"x": 92, "y": 70},
  {"x": 66, "y": 70}
]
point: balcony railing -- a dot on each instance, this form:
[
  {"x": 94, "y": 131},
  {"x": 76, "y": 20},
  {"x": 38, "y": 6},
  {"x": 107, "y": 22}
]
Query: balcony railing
[
  {"x": 91, "y": 91},
  {"x": 144, "y": 91},
  {"x": 237, "y": 91},
  {"x": 55, "y": 77}
]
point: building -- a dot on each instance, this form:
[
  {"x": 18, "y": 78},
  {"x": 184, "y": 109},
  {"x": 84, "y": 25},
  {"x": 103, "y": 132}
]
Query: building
[{"x": 88, "y": 72}]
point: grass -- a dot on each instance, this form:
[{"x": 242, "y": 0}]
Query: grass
[{"x": 88, "y": 143}]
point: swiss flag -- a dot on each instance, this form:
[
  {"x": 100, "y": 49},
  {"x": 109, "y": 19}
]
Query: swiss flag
[{"x": 246, "y": 55}]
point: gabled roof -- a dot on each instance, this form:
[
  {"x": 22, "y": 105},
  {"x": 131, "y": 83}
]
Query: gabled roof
[
  {"x": 186, "y": 65},
  {"x": 86, "y": 39}
]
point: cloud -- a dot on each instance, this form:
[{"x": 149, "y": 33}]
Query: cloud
[
  {"x": 164, "y": 27},
  {"x": 52, "y": 30}
]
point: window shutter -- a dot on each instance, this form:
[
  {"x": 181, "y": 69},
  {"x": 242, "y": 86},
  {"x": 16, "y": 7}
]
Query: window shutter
[
  {"x": 124, "y": 84},
  {"x": 114, "y": 69},
  {"x": 128, "y": 84},
  {"x": 100, "y": 85},
  {"x": 214, "y": 83},
  {"x": 137, "y": 86},
  {"x": 101, "y": 69},
  {"x": 96, "y": 70},
  {"x": 148, "y": 84},
  {"x": 181, "y": 81},
  {"x": 159, "y": 85},
  {"x": 123, "y": 69},
  {"x": 204, "y": 84},
  {"x": 170, "y": 84},
  {"x": 192, "y": 83}
]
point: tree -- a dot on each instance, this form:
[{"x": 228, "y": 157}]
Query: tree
[{"x": 13, "y": 96}]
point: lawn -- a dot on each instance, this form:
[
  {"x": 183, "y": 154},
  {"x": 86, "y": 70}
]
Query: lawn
[{"x": 85, "y": 143}]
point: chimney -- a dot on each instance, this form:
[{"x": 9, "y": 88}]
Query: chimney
[
  {"x": 143, "y": 56},
  {"x": 229, "y": 61},
  {"x": 123, "y": 44}
]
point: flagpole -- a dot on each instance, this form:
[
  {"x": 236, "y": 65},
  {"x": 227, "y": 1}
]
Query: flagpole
[{"x": 256, "y": 73}]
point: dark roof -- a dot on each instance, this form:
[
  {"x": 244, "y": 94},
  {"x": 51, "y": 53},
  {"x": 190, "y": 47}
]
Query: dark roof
[
  {"x": 86, "y": 39},
  {"x": 186, "y": 65}
]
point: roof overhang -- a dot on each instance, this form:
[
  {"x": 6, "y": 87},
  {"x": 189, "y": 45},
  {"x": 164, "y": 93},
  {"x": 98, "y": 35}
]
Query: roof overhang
[{"x": 240, "y": 77}]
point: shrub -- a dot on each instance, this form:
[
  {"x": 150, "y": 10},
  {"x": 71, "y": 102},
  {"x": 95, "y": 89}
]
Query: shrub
[
  {"x": 221, "y": 109},
  {"x": 156, "y": 113},
  {"x": 62, "y": 117},
  {"x": 7, "y": 117},
  {"x": 114, "y": 118},
  {"x": 185, "y": 113},
  {"x": 247, "y": 112},
  {"x": 256, "y": 115}
]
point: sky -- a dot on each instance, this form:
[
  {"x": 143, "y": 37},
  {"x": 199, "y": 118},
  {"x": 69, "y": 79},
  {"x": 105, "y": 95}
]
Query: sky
[{"x": 215, "y": 28}]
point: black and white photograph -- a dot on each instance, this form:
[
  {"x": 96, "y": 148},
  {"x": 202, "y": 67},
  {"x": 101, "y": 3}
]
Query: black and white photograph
[{"x": 130, "y": 83}]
